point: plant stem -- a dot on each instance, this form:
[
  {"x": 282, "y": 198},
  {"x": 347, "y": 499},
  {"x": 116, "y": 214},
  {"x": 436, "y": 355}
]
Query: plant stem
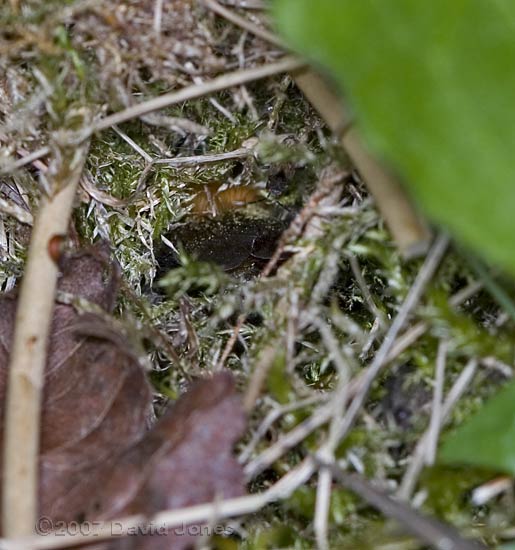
[{"x": 28, "y": 356}]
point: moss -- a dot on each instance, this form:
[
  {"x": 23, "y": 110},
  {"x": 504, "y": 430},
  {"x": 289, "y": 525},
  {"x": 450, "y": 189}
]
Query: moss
[
  {"x": 448, "y": 489},
  {"x": 280, "y": 536},
  {"x": 225, "y": 134},
  {"x": 202, "y": 303},
  {"x": 278, "y": 384}
]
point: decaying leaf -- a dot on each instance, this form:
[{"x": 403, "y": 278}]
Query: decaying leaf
[
  {"x": 100, "y": 456},
  {"x": 185, "y": 460}
]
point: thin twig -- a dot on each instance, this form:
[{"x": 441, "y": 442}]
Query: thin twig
[
  {"x": 322, "y": 505},
  {"x": 341, "y": 360},
  {"x": 30, "y": 158},
  {"x": 133, "y": 144},
  {"x": 405, "y": 340},
  {"x": 243, "y": 23},
  {"x": 417, "y": 459},
  {"x": 371, "y": 338},
  {"x": 195, "y": 91},
  {"x": 216, "y": 104},
  {"x": 491, "y": 489},
  {"x": 369, "y": 300},
  {"x": 228, "y": 80},
  {"x": 12, "y": 209},
  {"x": 436, "y": 412},
  {"x": 324, "y": 414},
  {"x": 101, "y": 196},
  {"x": 328, "y": 180},
  {"x": 158, "y": 16},
  {"x": 28, "y": 355},
  {"x": 407, "y": 226},
  {"x": 288, "y": 441},
  {"x": 428, "y": 530},
  {"x": 231, "y": 342},
  {"x": 327, "y": 449},
  {"x": 495, "y": 364},
  {"x": 425, "y": 274},
  {"x": 195, "y": 160},
  {"x": 176, "y": 124},
  {"x": 100, "y": 531},
  {"x": 259, "y": 5},
  {"x": 263, "y": 365},
  {"x": 272, "y": 417}
]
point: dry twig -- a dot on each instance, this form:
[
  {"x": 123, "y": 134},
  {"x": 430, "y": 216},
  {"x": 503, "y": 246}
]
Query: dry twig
[
  {"x": 101, "y": 531},
  {"x": 429, "y": 530},
  {"x": 436, "y": 412},
  {"x": 227, "y": 80},
  {"x": 29, "y": 349},
  {"x": 407, "y": 227},
  {"x": 12, "y": 209},
  {"x": 417, "y": 459},
  {"x": 326, "y": 185},
  {"x": 425, "y": 274},
  {"x": 359, "y": 386}
]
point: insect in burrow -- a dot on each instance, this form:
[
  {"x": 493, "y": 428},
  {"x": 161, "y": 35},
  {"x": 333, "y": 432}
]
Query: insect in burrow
[{"x": 215, "y": 199}]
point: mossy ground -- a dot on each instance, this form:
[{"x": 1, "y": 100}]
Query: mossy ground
[{"x": 51, "y": 59}]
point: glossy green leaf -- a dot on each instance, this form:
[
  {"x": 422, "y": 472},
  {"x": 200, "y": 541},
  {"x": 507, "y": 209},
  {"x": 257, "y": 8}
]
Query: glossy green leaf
[
  {"x": 488, "y": 438},
  {"x": 433, "y": 87}
]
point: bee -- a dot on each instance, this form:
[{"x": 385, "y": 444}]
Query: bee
[{"x": 215, "y": 199}]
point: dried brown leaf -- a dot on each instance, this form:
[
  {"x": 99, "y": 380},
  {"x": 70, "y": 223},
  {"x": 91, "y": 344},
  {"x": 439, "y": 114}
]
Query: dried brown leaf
[{"x": 100, "y": 459}]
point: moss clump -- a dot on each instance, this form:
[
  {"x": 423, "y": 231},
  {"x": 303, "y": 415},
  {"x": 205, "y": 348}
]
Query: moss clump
[{"x": 74, "y": 58}]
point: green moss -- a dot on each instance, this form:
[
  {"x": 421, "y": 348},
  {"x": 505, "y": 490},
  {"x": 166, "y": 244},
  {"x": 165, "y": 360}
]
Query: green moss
[
  {"x": 281, "y": 536},
  {"x": 448, "y": 491},
  {"x": 203, "y": 302},
  {"x": 468, "y": 336},
  {"x": 278, "y": 383},
  {"x": 225, "y": 135},
  {"x": 302, "y": 502}
]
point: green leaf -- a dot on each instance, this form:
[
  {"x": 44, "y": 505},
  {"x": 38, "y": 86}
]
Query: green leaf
[
  {"x": 433, "y": 88},
  {"x": 488, "y": 438}
]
